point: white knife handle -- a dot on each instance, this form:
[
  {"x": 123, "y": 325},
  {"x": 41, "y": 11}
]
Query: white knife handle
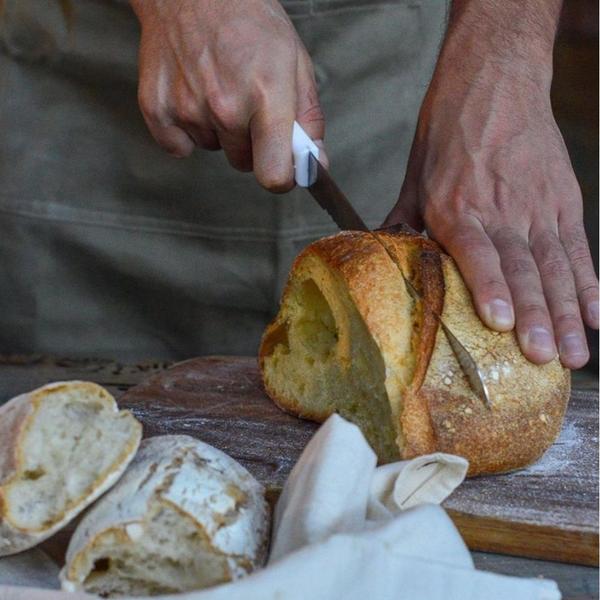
[{"x": 302, "y": 146}]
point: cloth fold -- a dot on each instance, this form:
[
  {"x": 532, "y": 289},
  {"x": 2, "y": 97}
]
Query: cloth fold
[
  {"x": 344, "y": 528},
  {"x": 425, "y": 479}
]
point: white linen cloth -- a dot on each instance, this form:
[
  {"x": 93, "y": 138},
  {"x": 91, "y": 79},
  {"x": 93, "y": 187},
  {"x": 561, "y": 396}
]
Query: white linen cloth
[{"x": 344, "y": 528}]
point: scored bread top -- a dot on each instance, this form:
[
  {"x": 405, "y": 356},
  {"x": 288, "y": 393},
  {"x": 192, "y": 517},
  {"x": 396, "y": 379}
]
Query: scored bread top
[
  {"x": 436, "y": 410},
  {"x": 528, "y": 401}
]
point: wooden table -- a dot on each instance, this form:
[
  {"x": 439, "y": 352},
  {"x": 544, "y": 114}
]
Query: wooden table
[{"x": 21, "y": 373}]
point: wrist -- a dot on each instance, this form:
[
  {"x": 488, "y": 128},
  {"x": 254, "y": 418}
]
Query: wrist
[{"x": 501, "y": 42}]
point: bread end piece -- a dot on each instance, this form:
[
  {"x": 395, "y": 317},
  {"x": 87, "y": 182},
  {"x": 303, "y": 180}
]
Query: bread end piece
[
  {"x": 184, "y": 516},
  {"x": 62, "y": 446}
]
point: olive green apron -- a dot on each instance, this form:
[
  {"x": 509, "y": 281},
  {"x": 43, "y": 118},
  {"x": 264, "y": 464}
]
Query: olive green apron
[{"x": 109, "y": 247}]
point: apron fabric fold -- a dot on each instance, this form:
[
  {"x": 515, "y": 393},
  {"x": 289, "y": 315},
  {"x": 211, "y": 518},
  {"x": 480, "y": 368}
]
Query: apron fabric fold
[{"x": 109, "y": 247}]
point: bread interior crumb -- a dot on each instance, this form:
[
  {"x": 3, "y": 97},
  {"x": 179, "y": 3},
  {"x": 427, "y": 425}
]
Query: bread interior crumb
[
  {"x": 321, "y": 358},
  {"x": 70, "y": 444}
]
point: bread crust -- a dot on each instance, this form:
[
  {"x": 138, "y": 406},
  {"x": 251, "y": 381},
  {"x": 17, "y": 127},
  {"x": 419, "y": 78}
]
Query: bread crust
[
  {"x": 15, "y": 418},
  {"x": 172, "y": 470},
  {"x": 440, "y": 412},
  {"x": 528, "y": 401}
]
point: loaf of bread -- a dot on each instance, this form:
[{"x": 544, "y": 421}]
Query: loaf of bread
[
  {"x": 184, "y": 516},
  {"x": 349, "y": 338},
  {"x": 61, "y": 446}
]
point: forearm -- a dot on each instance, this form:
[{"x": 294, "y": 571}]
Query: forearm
[
  {"x": 490, "y": 178},
  {"x": 505, "y": 38}
]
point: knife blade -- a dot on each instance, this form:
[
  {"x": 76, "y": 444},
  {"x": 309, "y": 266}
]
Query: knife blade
[
  {"x": 330, "y": 198},
  {"x": 310, "y": 173}
]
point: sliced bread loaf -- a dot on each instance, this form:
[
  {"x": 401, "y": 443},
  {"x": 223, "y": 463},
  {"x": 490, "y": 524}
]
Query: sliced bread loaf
[
  {"x": 349, "y": 338},
  {"x": 184, "y": 516},
  {"x": 61, "y": 446}
]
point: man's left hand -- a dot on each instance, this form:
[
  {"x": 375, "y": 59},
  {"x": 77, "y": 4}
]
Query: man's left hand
[{"x": 490, "y": 179}]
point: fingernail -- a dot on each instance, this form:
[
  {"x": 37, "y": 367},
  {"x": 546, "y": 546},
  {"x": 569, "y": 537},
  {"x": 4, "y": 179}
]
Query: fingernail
[
  {"x": 500, "y": 314},
  {"x": 572, "y": 345},
  {"x": 539, "y": 339},
  {"x": 593, "y": 311}
]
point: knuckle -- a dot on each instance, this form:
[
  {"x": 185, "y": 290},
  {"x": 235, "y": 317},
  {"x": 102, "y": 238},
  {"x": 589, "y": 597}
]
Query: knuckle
[
  {"x": 532, "y": 312},
  {"x": 278, "y": 186},
  {"x": 225, "y": 112},
  {"x": 508, "y": 237},
  {"x": 465, "y": 239},
  {"x": 312, "y": 113},
  {"x": 493, "y": 288},
  {"x": 176, "y": 149},
  {"x": 589, "y": 289},
  {"x": 471, "y": 243},
  {"x": 568, "y": 320},
  {"x": 518, "y": 267},
  {"x": 187, "y": 110},
  {"x": 276, "y": 181},
  {"x": 574, "y": 236},
  {"x": 580, "y": 257},
  {"x": 151, "y": 109},
  {"x": 555, "y": 267}
]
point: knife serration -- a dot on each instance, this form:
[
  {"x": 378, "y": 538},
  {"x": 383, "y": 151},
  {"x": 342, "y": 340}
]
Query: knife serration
[{"x": 331, "y": 199}]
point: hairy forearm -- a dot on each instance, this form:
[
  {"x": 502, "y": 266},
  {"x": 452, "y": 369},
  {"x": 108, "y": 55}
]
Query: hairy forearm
[{"x": 513, "y": 38}]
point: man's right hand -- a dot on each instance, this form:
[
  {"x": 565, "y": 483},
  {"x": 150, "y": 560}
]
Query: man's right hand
[{"x": 231, "y": 75}]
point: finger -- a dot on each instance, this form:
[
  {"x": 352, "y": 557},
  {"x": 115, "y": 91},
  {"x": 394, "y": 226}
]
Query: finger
[
  {"x": 206, "y": 139},
  {"x": 308, "y": 110},
  {"x": 406, "y": 209},
  {"x": 479, "y": 265},
  {"x": 237, "y": 146},
  {"x": 172, "y": 138},
  {"x": 561, "y": 297},
  {"x": 533, "y": 323},
  {"x": 271, "y": 132},
  {"x": 192, "y": 117},
  {"x": 576, "y": 245}
]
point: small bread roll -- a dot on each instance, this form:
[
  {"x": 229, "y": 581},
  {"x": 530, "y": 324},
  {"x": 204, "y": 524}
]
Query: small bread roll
[
  {"x": 184, "y": 516},
  {"x": 61, "y": 446}
]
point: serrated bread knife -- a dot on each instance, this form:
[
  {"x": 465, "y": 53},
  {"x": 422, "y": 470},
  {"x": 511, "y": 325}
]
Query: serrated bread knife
[{"x": 312, "y": 175}]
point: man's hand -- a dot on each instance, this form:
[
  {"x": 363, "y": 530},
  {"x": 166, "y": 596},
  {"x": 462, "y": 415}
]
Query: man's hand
[
  {"x": 231, "y": 75},
  {"x": 490, "y": 179}
]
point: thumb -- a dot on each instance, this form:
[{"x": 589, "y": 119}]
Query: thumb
[
  {"x": 308, "y": 109},
  {"x": 406, "y": 209}
]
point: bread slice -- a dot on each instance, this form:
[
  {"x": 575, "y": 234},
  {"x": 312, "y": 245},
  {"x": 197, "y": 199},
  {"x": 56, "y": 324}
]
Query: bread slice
[
  {"x": 349, "y": 338},
  {"x": 184, "y": 516},
  {"x": 61, "y": 446}
]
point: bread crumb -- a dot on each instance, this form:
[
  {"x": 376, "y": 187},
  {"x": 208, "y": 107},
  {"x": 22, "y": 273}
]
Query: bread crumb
[
  {"x": 544, "y": 419},
  {"x": 468, "y": 410},
  {"x": 447, "y": 380},
  {"x": 134, "y": 531}
]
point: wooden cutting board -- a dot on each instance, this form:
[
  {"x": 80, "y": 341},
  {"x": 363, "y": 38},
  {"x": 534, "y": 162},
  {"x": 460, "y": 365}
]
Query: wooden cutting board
[{"x": 549, "y": 510}]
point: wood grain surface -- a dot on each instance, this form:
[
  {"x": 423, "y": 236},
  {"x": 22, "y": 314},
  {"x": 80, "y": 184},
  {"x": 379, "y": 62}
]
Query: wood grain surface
[
  {"x": 548, "y": 510},
  {"x": 220, "y": 400}
]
